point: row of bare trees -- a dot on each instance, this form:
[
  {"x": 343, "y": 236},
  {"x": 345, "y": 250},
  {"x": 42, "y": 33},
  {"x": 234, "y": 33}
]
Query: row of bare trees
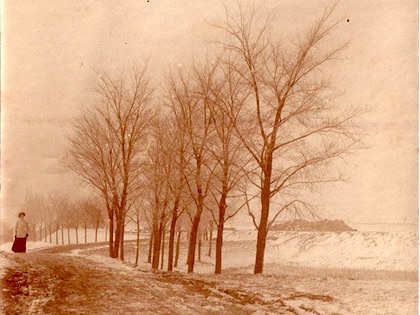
[
  {"x": 109, "y": 143},
  {"x": 50, "y": 216},
  {"x": 253, "y": 126}
]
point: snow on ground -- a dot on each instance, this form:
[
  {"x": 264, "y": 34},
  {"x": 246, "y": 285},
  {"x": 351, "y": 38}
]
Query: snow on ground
[
  {"x": 328, "y": 295},
  {"x": 103, "y": 260},
  {"x": 4, "y": 263},
  {"x": 30, "y": 246},
  {"x": 351, "y": 250},
  {"x": 102, "y": 236},
  {"x": 308, "y": 291},
  {"x": 59, "y": 240}
]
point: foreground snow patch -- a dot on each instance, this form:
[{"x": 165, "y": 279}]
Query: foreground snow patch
[{"x": 4, "y": 263}]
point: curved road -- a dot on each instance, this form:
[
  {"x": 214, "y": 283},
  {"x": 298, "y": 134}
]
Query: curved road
[{"x": 51, "y": 282}]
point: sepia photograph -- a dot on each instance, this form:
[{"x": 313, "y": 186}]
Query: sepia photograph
[{"x": 209, "y": 157}]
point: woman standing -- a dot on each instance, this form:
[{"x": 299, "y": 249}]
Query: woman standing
[{"x": 21, "y": 234}]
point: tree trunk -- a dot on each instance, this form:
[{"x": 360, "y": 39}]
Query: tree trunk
[
  {"x": 157, "y": 233},
  {"x": 85, "y": 233},
  {"x": 149, "y": 256},
  {"x": 137, "y": 241},
  {"x": 32, "y": 234},
  {"x": 219, "y": 237},
  {"x": 193, "y": 241},
  {"x": 122, "y": 239},
  {"x": 57, "y": 228},
  {"x": 50, "y": 226},
  {"x": 68, "y": 234},
  {"x": 172, "y": 231},
  {"x": 117, "y": 236},
  {"x": 45, "y": 232},
  {"x": 163, "y": 246},
  {"x": 261, "y": 241},
  {"x": 178, "y": 243},
  {"x": 111, "y": 237},
  {"x": 96, "y": 234},
  {"x": 200, "y": 235},
  {"x": 210, "y": 238},
  {"x": 62, "y": 234},
  {"x": 77, "y": 235},
  {"x": 219, "y": 244},
  {"x": 263, "y": 226}
]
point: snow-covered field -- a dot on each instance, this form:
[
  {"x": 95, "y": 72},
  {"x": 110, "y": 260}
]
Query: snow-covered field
[{"x": 350, "y": 250}]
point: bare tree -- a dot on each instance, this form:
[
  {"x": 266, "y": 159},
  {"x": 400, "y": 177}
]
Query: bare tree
[
  {"x": 55, "y": 201},
  {"x": 178, "y": 245},
  {"x": 59, "y": 203},
  {"x": 76, "y": 218},
  {"x": 147, "y": 214},
  {"x": 137, "y": 221},
  {"x": 135, "y": 215},
  {"x": 148, "y": 218},
  {"x": 150, "y": 251},
  {"x": 228, "y": 96},
  {"x": 157, "y": 177},
  {"x": 96, "y": 214},
  {"x": 50, "y": 220},
  {"x": 173, "y": 151},
  {"x": 83, "y": 211},
  {"x": 35, "y": 207},
  {"x": 108, "y": 143},
  {"x": 210, "y": 238},
  {"x": 68, "y": 219},
  {"x": 90, "y": 215},
  {"x": 190, "y": 104},
  {"x": 290, "y": 126},
  {"x": 6, "y": 232}
]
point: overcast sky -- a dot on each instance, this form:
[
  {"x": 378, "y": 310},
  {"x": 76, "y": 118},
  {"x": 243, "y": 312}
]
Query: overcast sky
[{"x": 50, "y": 50}]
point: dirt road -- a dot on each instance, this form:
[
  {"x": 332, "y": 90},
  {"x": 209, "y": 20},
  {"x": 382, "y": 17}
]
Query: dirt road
[{"x": 52, "y": 283}]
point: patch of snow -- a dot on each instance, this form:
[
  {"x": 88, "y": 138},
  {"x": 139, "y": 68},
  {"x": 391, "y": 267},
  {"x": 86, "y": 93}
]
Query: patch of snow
[
  {"x": 30, "y": 246},
  {"x": 102, "y": 236},
  {"x": 105, "y": 261},
  {"x": 353, "y": 250},
  {"x": 4, "y": 263},
  {"x": 90, "y": 238}
]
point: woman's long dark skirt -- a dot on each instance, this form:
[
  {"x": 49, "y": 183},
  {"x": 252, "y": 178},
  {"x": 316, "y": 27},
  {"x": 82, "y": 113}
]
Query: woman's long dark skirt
[{"x": 19, "y": 245}]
